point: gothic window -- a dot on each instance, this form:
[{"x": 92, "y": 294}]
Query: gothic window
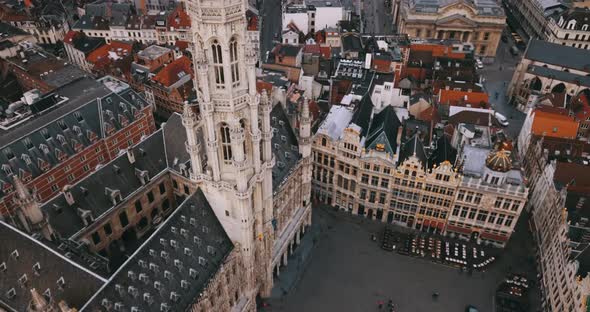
[
  {"x": 245, "y": 129},
  {"x": 226, "y": 143},
  {"x": 233, "y": 55},
  {"x": 218, "y": 65}
]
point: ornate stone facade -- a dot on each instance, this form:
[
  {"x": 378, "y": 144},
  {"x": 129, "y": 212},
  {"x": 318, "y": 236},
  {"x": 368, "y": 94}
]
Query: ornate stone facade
[{"x": 466, "y": 21}]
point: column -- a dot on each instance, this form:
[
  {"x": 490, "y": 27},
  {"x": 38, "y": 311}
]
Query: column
[
  {"x": 298, "y": 238},
  {"x": 285, "y": 256},
  {"x": 291, "y": 248}
]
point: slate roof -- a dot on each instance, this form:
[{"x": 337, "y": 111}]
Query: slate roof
[
  {"x": 285, "y": 146},
  {"x": 352, "y": 42},
  {"x": 362, "y": 115},
  {"x": 384, "y": 130},
  {"x": 54, "y": 136},
  {"x": 443, "y": 151},
  {"x": 561, "y": 75},
  {"x": 174, "y": 138},
  {"x": 174, "y": 266},
  {"x": 19, "y": 254},
  {"x": 92, "y": 194},
  {"x": 414, "y": 147},
  {"x": 557, "y": 54},
  {"x": 83, "y": 43}
]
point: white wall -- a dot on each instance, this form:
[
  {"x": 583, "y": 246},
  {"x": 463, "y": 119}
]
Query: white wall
[
  {"x": 328, "y": 17},
  {"x": 301, "y": 20}
]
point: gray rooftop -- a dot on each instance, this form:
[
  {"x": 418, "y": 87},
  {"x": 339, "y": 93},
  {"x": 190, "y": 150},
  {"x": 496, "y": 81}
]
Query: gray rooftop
[
  {"x": 559, "y": 55},
  {"x": 285, "y": 146},
  {"x": 175, "y": 265},
  {"x": 483, "y": 7},
  {"x": 27, "y": 264},
  {"x": 119, "y": 175},
  {"x": 153, "y": 52}
]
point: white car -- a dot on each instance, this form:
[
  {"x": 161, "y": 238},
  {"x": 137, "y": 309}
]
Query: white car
[
  {"x": 478, "y": 64},
  {"x": 501, "y": 119}
]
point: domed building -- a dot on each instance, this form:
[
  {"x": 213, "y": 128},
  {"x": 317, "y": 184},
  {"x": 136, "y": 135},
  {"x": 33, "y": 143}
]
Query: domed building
[{"x": 498, "y": 164}]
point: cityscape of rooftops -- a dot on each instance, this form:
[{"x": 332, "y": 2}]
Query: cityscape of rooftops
[{"x": 295, "y": 155}]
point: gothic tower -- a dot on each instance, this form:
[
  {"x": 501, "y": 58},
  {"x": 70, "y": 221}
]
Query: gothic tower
[
  {"x": 229, "y": 133},
  {"x": 29, "y": 211}
]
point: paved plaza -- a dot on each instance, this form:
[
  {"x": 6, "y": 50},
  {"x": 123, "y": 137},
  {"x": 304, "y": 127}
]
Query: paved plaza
[{"x": 344, "y": 270}]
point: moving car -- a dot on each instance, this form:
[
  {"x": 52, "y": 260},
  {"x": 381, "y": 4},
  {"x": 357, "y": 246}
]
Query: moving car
[
  {"x": 478, "y": 63},
  {"x": 501, "y": 119}
]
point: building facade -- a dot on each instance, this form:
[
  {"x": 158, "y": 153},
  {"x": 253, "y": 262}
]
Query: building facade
[
  {"x": 549, "y": 69},
  {"x": 570, "y": 28},
  {"x": 396, "y": 179},
  {"x": 185, "y": 219},
  {"x": 466, "y": 21}
]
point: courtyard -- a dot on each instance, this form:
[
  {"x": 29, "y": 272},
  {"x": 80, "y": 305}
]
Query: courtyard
[{"x": 342, "y": 269}]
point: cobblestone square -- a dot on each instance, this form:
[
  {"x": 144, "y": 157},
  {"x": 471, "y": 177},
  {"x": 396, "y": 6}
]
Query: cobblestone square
[{"x": 347, "y": 271}]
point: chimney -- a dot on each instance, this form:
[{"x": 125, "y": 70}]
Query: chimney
[
  {"x": 130, "y": 156},
  {"x": 68, "y": 195},
  {"x": 142, "y": 175}
]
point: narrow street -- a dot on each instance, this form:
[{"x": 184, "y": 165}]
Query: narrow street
[
  {"x": 271, "y": 14},
  {"x": 376, "y": 17},
  {"x": 497, "y": 77}
]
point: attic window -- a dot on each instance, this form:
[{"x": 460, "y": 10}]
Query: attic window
[
  {"x": 11, "y": 293},
  {"x": 61, "y": 282},
  {"x": 202, "y": 261},
  {"x": 23, "y": 280},
  {"x": 3, "y": 267},
  {"x": 9, "y": 154},
  {"x": 78, "y": 116},
  {"x": 14, "y": 254},
  {"x": 28, "y": 143},
  {"x": 45, "y": 134},
  {"x": 62, "y": 125}
]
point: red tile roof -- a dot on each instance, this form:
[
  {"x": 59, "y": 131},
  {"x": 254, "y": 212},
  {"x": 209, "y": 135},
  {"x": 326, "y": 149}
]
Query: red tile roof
[
  {"x": 554, "y": 124},
  {"x": 174, "y": 71},
  {"x": 312, "y": 48},
  {"x": 179, "y": 19},
  {"x": 101, "y": 55},
  {"x": 326, "y": 52},
  {"x": 70, "y": 36},
  {"x": 252, "y": 18},
  {"x": 463, "y": 98},
  {"x": 181, "y": 44}
]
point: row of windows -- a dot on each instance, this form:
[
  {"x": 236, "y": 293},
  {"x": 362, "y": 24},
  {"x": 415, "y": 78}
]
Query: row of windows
[
  {"x": 469, "y": 197},
  {"x": 507, "y": 204},
  {"x": 431, "y": 212},
  {"x": 482, "y": 215}
]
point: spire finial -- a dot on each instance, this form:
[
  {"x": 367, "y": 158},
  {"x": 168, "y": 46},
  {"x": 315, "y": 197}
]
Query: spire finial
[
  {"x": 21, "y": 189},
  {"x": 38, "y": 302}
]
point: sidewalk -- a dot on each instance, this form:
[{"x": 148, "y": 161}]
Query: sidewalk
[{"x": 297, "y": 262}]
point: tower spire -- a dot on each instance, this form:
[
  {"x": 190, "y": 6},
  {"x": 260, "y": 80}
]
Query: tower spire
[
  {"x": 29, "y": 211},
  {"x": 38, "y": 302}
]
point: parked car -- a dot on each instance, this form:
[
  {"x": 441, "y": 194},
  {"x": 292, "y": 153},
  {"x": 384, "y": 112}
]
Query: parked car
[
  {"x": 478, "y": 63},
  {"x": 504, "y": 38},
  {"x": 501, "y": 119},
  {"x": 514, "y": 50}
]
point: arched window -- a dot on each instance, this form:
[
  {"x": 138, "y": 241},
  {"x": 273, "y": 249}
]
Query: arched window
[
  {"x": 571, "y": 24},
  {"x": 218, "y": 65},
  {"x": 245, "y": 129},
  {"x": 226, "y": 143},
  {"x": 233, "y": 56}
]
